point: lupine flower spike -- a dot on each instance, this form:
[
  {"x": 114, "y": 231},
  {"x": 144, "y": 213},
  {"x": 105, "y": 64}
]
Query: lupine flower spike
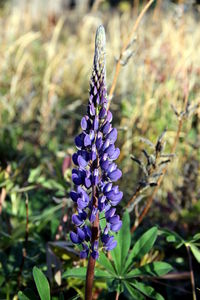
[{"x": 95, "y": 170}]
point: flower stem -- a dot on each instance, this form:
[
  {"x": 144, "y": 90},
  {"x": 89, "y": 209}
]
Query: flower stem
[
  {"x": 117, "y": 296},
  {"x": 89, "y": 278},
  {"x": 92, "y": 261}
]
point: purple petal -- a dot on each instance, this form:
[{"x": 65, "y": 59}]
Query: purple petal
[
  {"x": 104, "y": 164},
  {"x": 102, "y": 113},
  {"x": 74, "y": 238},
  {"x": 99, "y": 143},
  {"x": 91, "y": 135},
  {"x": 112, "y": 167},
  {"x": 93, "y": 152},
  {"x": 76, "y": 179},
  {"x": 109, "y": 116},
  {"x": 93, "y": 215},
  {"x": 87, "y": 141},
  {"x": 95, "y": 255},
  {"x": 114, "y": 219},
  {"x": 95, "y": 90},
  {"x": 74, "y": 159},
  {"x": 81, "y": 204},
  {"x": 88, "y": 233},
  {"x": 96, "y": 177},
  {"x": 79, "y": 140},
  {"x": 82, "y": 162},
  {"x": 107, "y": 187},
  {"x": 111, "y": 246},
  {"x": 74, "y": 196},
  {"x": 87, "y": 183},
  {"x": 110, "y": 150},
  {"x": 77, "y": 220},
  {"x": 106, "y": 128},
  {"x": 92, "y": 109},
  {"x": 115, "y": 154},
  {"x": 110, "y": 213},
  {"x": 114, "y": 196},
  {"x": 112, "y": 135},
  {"x": 116, "y": 227},
  {"x": 84, "y": 254},
  {"x": 81, "y": 234},
  {"x": 84, "y": 123},
  {"x": 96, "y": 123},
  {"x": 115, "y": 175}
]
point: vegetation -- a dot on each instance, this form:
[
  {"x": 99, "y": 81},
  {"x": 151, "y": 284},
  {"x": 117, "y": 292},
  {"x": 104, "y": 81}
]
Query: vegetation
[{"x": 153, "y": 78}]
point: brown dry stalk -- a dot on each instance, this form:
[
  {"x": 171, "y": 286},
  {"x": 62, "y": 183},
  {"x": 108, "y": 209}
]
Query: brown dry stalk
[
  {"x": 173, "y": 149},
  {"x": 125, "y": 46},
  {"x": 133, "y": 198},
  {"x": 95, "y": 5},
  {"x": 191, "y": 273}
]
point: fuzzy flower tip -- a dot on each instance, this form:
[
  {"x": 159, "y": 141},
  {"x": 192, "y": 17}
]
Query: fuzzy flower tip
[{"x": 96, "y": 171}]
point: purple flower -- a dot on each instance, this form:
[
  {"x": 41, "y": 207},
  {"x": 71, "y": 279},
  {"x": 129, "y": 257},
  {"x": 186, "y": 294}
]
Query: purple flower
[{"x": 95, "y": 169}]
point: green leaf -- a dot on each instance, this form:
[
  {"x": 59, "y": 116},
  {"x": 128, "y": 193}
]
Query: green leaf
[
  {"x": 135, "y": 295},
  {"x": 106, "y": 263},
  {"x": 172, "y": 237},
  {"x": 196, "y": 252},
  {"x": 42, "y": 284},
  {"x": 158, "y": 268},
  {"x": 34, "y": 175},
  {"x": 27, "y": 294},
  {"x": 81, "y": 273},
  {"x": 22, "y": 296},
  {"x": 74, "y": 297},
  {"x": 146, "y": 290},
  {"x": 142, "y": 246},
  {"x": 196, "y": 237},
  {"x": 123, "y": 239},
  {"x": 76, "y": 273}
]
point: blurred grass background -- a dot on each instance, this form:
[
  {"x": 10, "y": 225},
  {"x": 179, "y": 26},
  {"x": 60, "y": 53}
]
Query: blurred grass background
[{"x": 46, "y": 53}]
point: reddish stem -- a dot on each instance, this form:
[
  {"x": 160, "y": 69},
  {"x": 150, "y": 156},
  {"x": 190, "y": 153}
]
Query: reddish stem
[{"x": 92, "y": 261}]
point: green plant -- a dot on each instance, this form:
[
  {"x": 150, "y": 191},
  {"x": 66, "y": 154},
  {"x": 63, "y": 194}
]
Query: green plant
[
  {"x": 123, "y": 272},
  {"x": 192, "y": 246},
  {"x": 42, "y": 286}
]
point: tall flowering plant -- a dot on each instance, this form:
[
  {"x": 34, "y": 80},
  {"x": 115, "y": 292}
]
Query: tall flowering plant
[{"x": 95, "y": 171}]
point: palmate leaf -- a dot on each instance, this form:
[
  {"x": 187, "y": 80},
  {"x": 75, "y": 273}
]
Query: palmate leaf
[
  {"x": 142, "y": 246},
  {"x": 81, "y": 273},
  {"x": 158, "y": 268},
  {"x": 135, "y": 295},
  {"x": 146, "y": 290},
  {"x": 123, "y": 238},
  {"x": 42, "y": 284},
  {"x": 106, "y": 263}
]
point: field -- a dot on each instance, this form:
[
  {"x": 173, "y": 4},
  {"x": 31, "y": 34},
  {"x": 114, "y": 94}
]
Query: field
[{"x": 46, "y": 60}]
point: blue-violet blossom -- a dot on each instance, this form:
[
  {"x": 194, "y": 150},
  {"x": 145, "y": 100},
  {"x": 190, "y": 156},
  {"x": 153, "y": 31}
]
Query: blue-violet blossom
[{"x": 95, "y": 169}]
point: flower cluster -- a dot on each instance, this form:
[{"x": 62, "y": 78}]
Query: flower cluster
[{"x": 95, "y": 169}]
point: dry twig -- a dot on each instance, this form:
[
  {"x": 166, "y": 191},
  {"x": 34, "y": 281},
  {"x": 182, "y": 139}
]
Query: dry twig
[
  {"x": 173, "y": 149},
  {"x": 124, "y": 48}
]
